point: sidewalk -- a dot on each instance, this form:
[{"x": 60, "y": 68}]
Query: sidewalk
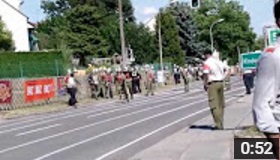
[{"x": 200, "y": 142}]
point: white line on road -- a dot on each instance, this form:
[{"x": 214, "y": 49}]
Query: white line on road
[
  {"x": 115, "y": 130},
  {"x": 70, "y": 115},
  {"x": 92, "y": 110},
  {"x": 60, "y": 134},
  {"x": 23, "y": 121},
  {"x": 153, "y": 132},
  {"x": 54, "y": 136},
  {"x": 84, "y": 113},
  {"x": 37, "y": 130},
  {"x": 127, "y": 108}
]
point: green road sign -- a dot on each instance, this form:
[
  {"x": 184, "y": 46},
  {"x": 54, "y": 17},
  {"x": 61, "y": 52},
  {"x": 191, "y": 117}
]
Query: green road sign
[
  {"x": 272, "y": 34},
  {"x": 249, "y": 60}
]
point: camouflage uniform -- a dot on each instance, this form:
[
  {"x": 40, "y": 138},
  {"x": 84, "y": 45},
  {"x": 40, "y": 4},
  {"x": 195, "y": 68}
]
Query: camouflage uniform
[
  {"x": 102, "y": 83},
  {"x": 120, "y": 85},
  {"x": 128, "y": 86},
  {"x": 150, "y": 79},
  {"x": 109, "y": 81}
]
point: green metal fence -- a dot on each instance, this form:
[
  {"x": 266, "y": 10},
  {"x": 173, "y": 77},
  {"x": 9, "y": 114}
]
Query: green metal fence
[{"x": 32, "y": 69}]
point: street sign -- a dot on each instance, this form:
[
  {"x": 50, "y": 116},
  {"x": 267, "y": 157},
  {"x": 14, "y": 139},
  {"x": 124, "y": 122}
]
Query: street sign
[
  {"x": 249, "y": 60},
  {"x": 272, "y": 35}
]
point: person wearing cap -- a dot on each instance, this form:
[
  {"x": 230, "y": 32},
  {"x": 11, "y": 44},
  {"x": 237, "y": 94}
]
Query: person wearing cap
[
  {"x": 120, "y": 82},
  {"x": 214, "y": 74},
  {"x": 266, "y": 107},
  {"x": 128, "y": 79},
  {"x": 102, "y": 82},
  {"x": 93, "y": 82},
  {"x": 136, "y": 77},
  {"x": 109, "y": 81}
]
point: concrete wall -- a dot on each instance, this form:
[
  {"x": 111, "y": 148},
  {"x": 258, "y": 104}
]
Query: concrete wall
[{"x": 16, "y": 23}]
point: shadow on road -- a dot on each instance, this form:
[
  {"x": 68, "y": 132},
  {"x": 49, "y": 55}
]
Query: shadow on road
[{"x": 209, "y": 127}]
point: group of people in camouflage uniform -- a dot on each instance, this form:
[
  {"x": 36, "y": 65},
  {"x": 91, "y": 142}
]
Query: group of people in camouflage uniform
[{"x": 127, "y": 82}]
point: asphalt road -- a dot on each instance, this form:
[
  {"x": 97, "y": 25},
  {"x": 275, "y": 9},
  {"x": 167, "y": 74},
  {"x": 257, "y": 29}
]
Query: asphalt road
[{"x": 109, "y": 131}]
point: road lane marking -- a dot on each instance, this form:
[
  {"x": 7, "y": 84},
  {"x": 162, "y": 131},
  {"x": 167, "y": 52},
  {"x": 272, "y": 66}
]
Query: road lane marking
[
  {"x": 60, "y": 134},
  {"x": 115, "y": 130},
  {"x": 153, "y": 132},
  {"x": 37, "y": 130},
  {"x": 83, "y": 110},
  {"x": 84, "y": 113},
  {"x": 70, "y": 115},
  {"x": 54, "y": 136},
  {"x": 127, "y": 108}
]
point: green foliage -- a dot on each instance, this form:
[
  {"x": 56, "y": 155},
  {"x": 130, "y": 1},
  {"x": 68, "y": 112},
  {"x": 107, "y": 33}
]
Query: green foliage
[
  {"x": 188, "y": 29},
  {"x": 259, "y": 44},
  {"x": 233, "y": 32},
  {"x": 31, "y": 64},
  {"x": 91, "y": 28},
  {"x": 6, "y": 42},
  {"x": 83, "y": 34},
  {"x": 142, "y": 42},
  {"x": 172, "y": 51}
]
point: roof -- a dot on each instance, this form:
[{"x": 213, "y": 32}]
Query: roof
[{"x": 15, "y": 8}]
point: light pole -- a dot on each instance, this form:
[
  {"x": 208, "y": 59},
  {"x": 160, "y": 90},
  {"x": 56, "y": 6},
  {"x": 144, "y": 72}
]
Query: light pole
[
  {"x": 124, "y": 55},
  {"x": 211, "y": 33}
]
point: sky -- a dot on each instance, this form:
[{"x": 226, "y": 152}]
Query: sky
[{"x": 260, "y": 11}]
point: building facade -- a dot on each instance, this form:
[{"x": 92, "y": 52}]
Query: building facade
[{"x": 16, "y": 22}]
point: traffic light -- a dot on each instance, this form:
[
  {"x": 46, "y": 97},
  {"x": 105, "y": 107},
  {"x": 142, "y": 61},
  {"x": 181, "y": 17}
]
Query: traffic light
[{"x": 195, "y": 4}]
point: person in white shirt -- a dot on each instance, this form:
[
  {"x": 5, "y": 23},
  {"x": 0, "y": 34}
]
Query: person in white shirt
[
  {"x": 214, "y": 73},
  {"x": 266, "y": 107},
  {"x": 72, "y": 90}
]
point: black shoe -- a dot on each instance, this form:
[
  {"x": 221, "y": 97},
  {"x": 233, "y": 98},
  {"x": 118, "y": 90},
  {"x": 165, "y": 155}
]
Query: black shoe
[{"x": 218, "y": 128}]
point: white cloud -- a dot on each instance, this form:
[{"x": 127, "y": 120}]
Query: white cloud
[{"x": 149, "y": 11}]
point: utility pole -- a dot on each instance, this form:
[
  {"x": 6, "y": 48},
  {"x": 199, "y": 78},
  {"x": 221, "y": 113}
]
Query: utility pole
[
  {"x": 160, "y": 43},
  {"x": 124, "y": 55}
]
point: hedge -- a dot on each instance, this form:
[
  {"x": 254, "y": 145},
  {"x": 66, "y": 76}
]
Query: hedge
[{"x": 31, "y": 64}]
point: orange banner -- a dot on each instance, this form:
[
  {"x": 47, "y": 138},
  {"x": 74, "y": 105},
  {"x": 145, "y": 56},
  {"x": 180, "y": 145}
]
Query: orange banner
[{"x": 42, "y": 89}]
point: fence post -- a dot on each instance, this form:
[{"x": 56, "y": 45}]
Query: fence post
[
  {"x": 21, "y": 70},
  {"x": 57, "y": 68}
]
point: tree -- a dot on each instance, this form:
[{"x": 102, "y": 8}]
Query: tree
[
  {"x": 259, "y": 43},
  {"x": 83, "y": 34},
  {"x": 142, "y": 42},
  {"x": 188, "y": 29},
  {"x": 6, "y": 42},
  {"x": 234, "y": 32},
  {"x": 172, "y": 51},
  {"x": 58, "y": 7}
]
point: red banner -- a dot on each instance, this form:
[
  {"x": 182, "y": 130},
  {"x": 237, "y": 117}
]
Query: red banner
[
  {"x": 41, "y": 89},
  {"x": 5, "y": 92}
]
